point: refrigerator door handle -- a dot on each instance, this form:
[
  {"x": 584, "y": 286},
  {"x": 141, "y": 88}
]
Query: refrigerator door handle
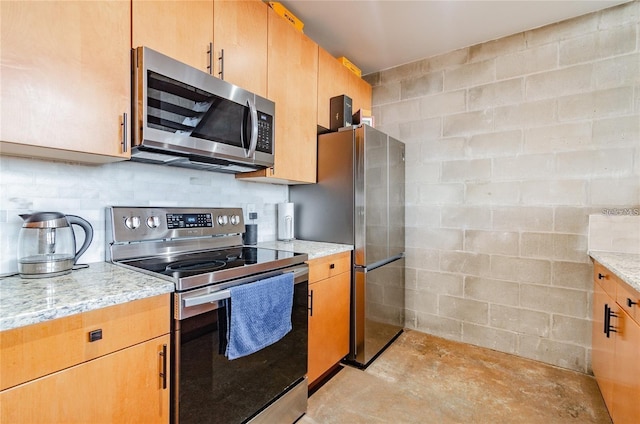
[{"x": 375, "y": 265}]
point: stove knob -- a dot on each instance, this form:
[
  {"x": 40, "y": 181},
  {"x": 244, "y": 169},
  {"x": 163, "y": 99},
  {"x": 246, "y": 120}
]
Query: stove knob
[
  {"x": 222, "y": 220},
  {"x": 235, "y": 219},
  {"x": 132, "y": 222},
  {"x": 153, "y": 222}
]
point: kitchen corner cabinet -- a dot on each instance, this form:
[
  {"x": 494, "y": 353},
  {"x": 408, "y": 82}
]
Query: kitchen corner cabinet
[
  {"x": 293, "y": 85},
  {"x": 180, "y": 30},
  {"x": 329, "y": 313},
  {"x": 616, "y": 345},
  {"x": 52, "y": 372},
  {"x": 334, "y": 79},
  {"x": 65, "y": 79}
]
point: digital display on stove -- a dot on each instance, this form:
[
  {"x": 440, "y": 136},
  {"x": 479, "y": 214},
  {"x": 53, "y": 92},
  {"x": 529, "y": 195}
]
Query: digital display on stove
[{"x": 189, "y": 220}]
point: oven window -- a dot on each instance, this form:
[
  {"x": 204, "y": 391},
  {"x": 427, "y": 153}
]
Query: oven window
[{"x": 213, "y": 389}]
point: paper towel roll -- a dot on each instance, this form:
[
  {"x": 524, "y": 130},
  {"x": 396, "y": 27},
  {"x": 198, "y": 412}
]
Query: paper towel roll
[{"x": 285, "y": 221}]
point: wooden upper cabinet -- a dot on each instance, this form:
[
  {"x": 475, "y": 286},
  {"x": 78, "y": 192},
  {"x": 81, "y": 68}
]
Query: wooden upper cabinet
[
  {"x": 293, "y": 86},
  {"x": 65, "y": 79},
  {"x": 240, "y": 31},
  {"x": 334, "y": 79},
  {"x": 360, "y": 93},
  {"x": 182, "y": 30}
]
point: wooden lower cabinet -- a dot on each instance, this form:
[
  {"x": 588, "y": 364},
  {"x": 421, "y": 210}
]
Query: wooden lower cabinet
[
  {"x": 626, "y": 370},
  {"x": 616, "y": 357},
  {"x": 602, "y": 347},
  {"x": 108, "y": 365},
  {"x": 329, "y": 297},
  {"x": 122, "y": 387}
]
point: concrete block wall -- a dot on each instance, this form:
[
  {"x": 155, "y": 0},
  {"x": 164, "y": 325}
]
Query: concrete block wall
[{"x": 511, "y": 144}]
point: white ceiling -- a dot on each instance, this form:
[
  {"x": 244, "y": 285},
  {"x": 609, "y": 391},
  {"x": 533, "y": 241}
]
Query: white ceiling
[{"x": 377, "y": 35}]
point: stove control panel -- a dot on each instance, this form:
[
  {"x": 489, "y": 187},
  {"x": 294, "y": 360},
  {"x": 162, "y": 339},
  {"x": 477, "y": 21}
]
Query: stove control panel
[
  {"x": 189, "y": 220},
  {"x": 133, "y": 224}
]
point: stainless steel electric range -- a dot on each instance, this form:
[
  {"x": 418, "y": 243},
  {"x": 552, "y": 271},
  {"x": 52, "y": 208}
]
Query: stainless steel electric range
[{"x": 201, "y": 251}]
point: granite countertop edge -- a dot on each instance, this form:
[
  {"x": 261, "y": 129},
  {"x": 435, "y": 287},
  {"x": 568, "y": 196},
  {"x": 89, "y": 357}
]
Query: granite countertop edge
[
  {"x": 313, "y": 249},
  {"x": 31, "y": 301},
  {"x": 625, "y": 266}
]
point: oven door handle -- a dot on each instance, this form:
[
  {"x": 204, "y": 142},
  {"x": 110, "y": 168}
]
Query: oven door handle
[
  {"x": 207, "y": 298},
  {"x": 300, "y": 273}
]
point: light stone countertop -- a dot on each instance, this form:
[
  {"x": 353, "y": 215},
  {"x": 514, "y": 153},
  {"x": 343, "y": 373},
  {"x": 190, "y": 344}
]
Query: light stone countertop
[
  {"x": 30, "y": 301},
  {"x": 313, "y": 249},
  {"x": 625, "y": 265}
]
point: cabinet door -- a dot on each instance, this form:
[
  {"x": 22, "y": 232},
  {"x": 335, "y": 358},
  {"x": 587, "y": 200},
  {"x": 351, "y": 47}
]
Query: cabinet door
[
  {"x": 293, "y": 86},
  {"x": 328, "y": 324},
  {"x": 626, "y": 390},
  {"x": 65, "y": 79},
  {"x": 240, "y": 31},
  {"x": 179, "y": 29},
  {"x": 333, "y": 80},
  {"x": 360, "y": 93},
  {"x": 122, "y": 387},
  {"x": 603, "y": 347}
]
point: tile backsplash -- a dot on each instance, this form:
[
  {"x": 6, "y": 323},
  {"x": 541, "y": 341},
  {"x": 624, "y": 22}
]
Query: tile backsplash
[
  {"x": 620, "y": 234},
  {"x": 30, "y": 185}
]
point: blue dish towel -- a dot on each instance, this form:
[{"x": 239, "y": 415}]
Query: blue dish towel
[{"x": 260, "y": 314}]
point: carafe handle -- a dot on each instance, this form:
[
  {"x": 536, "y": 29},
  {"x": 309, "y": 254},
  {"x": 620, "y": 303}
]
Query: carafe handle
[{"x": 88, "y": 234}]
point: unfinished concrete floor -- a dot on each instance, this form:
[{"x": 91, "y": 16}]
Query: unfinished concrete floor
[{"x": 425, "y": 379}]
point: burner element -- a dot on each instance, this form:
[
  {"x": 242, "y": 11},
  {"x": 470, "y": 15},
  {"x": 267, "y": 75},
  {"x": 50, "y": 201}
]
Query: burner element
[{"x": 195, "y": 266}]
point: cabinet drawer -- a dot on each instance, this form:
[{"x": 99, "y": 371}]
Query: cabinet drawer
[
  {"x": 36, "y": 350},
  {"x": 605, "y": 278},
  {"x": 328, "y": 266},
  {"x": 629, "y": 300}
]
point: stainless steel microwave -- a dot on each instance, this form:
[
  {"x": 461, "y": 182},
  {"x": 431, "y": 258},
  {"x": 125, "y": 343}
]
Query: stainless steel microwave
[{"x": 188, "y": 118}]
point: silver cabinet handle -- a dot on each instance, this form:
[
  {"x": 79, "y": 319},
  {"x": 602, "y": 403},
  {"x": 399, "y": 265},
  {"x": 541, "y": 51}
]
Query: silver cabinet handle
[
  {"x": 210, "y": 54},
  {"x": 124, "y": 132},
  {"x": 221, "y": 60}
]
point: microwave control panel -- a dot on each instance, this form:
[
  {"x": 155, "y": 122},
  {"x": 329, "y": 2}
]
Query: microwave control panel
[{"x": 265, "y": 133}]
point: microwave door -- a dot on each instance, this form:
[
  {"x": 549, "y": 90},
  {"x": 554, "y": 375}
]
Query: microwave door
[{"x": 230, "y": 124}]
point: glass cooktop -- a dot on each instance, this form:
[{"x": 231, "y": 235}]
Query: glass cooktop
[{"x": 211, "y": 261}]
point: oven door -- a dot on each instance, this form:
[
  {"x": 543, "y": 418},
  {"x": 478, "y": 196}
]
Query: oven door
[{"x": 209, "y": 388}]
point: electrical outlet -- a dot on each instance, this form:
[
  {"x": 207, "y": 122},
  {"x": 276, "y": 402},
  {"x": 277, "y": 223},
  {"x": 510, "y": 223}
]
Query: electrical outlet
[{"x": 251, "y": 207}]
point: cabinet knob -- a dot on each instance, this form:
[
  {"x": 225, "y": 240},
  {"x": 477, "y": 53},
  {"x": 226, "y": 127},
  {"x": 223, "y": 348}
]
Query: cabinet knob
[
  {"x": 630, "y": 302},
  {"x": 601, "y": 276},
  {"x": 332, "y": 266}
]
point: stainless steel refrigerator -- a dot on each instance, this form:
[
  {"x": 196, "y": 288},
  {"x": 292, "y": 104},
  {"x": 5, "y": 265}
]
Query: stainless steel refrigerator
[{"x": 359, "y": 200}]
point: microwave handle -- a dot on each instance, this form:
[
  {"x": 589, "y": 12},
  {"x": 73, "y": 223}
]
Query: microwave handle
[{"x": 254, "y": 129}]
